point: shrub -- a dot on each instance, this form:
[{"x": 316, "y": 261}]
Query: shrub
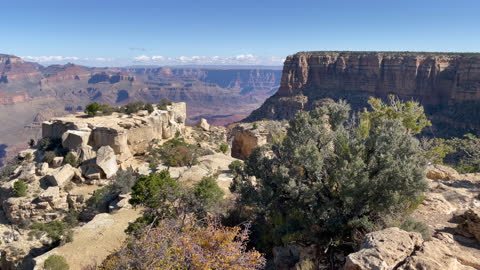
[
  {"x": 331, "y": 178},
  {"x": 223, "y": 148},
  {"x": 207, "y": 195},
  {"x": 31, "y": 143},
  {"x": 435, "y": 150},
  {"x": 149, "y": 107},
  {"x": 175, "y": 153},
  {"x": 71, "y": 159},
  {"x": 163, "y": 103},
  {"x": 467, "y": 155},
  {"x": 49, "y": 156},
  {"x": 173, "y": 245},
  {"x": 124, "y": 181},
  {"x": 255, "y": 125},
  {"x": 411, "y": 225},
  {"x": 92, "y": 108},
  {"x": 157, "y": 191},
  {"x": 136, "y": 106},
  {"x": 9, "y": 168},
  {"x": 56, "y": 262},
  {"x": 55, "y": 230},
  {"x": 100, "y": 198},
  {"x": 20, "y": 188}
]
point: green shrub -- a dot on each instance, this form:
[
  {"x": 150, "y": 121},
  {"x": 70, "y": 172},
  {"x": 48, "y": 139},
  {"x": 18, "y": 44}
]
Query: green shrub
[
  {"x": 124, "y": 181},
  {"x": 100, "y": 198},
  {"x": 49, "y": 156},
  {"x": 31, "y": 143},
  {"x": 20, "y": 188},
  {"x": 71, "y": 159},
  {"x": 149, "y": 107},
  {"x": 163, "y": 103},
  {"x": 175, "y": 153},
  {"x": 56, "y": 262},
  {"x": 255, "y": 125},
  {"x": 9, "y": 168},
  {"x": 435, "y": 150},
  {"x": 411, "y": 225},
  {"x": 135, "y": 107},
  {"x": 332, "y": 177},
  {"x": 157, "y": 191},
  {"x": 92, "y": 108},
  {"x": 55, "y": 230},
  {"x": 207, "y": 195},
  {"x": 223, "y": 148}
]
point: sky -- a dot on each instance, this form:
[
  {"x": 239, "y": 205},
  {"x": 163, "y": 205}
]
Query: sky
[{"x": 244, "y": 32}]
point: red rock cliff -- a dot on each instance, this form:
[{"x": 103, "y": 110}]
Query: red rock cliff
[{"x": 447, "y": 84}]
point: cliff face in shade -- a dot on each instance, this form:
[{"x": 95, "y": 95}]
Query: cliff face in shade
[{"x": 446, "y": 84}]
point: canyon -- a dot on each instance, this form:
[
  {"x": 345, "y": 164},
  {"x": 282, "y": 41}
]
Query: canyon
[
  {"x": 446, "y": 84},
  {"x": 31, "y": 93}
]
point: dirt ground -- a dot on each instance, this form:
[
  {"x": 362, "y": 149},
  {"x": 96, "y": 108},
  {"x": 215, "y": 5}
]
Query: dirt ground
[{"x": 94, "y": 241}]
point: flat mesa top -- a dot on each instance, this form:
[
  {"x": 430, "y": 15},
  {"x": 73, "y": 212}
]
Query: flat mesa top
[
  {"x": 392, "y": 53},
  {"x": 115, "y": 120}
]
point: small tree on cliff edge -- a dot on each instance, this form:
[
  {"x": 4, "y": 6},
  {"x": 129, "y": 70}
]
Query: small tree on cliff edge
[
  {"x": 92, "y": 108},
  {"x": 333, "y": 177}
]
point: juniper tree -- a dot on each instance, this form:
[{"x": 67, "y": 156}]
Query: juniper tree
[{"x": 332, "y": 176}]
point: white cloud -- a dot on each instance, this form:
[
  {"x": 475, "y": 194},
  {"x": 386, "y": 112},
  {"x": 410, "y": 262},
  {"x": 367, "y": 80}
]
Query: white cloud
[
  {"x": 42, "y": 59},
  {"x": 242, "y": 59}
]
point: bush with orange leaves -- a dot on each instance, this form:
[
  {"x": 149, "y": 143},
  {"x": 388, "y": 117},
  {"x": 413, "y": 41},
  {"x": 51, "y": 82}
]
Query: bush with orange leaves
[{"x": 173, "y": 246}]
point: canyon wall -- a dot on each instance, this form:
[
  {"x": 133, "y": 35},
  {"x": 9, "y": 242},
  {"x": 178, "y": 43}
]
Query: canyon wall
[{"x": 447, "y": 84}]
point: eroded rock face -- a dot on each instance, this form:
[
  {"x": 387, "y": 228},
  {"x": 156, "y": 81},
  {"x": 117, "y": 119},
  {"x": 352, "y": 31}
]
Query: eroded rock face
[
  {"x": 384, "y": 249},
  {"x": 127, "y": 135},
  {"x": 244, "y": 137},
  {"x": 470, "y": 227},
  {"x": 448, "y": 85}
]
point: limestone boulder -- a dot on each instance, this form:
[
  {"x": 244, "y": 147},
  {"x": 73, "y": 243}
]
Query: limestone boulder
[
  {"x": 28, "y": 172},
  {"x": 50, "y": 195},
  {"x": 73, "y": 139},
  {"x": 384, "y": 249},
  {"x": 107, "y": 161},
  {"x": 440, "y": 172},
  {"x": 470, "y": 227},
  {"x": 439, "y": 253},
  {"x": 85, "y": 152},
  {"x": 61, "y": 176},
  {"x": 42, "y": 169},
  {"x": 203, "y": 124}
]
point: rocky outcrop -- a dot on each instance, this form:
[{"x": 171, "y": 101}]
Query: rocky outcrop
[
  {"x": 384, "y": 250},
  {"x": 470, "y": 226},
  {"x": 244, "y": 137},
  {"x": 440, "y": 172},
  {"x": 447, "y": 84},
  {"x": 127, "y": 135}
]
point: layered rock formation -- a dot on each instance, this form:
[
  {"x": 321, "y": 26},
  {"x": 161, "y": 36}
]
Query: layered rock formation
[
  {"x": 447, "y": 84},
  {"x": 127, "y": 135}
]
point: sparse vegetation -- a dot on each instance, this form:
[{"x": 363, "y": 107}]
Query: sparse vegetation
[
  {"x": 71, "y": 159},
  {"x": 56, "y": 230},
  {"x": 134, "y": 107},
  {"x": 20, "y": 188},
  {"x": 174, "y": 245},
  {"x": 56, "y": 262},
  {"x": 49, "y": 156},
  {"x": 223, "y": 148},
  {"x": 174, "y": 153},
  {"x": 124, "y": 181},
  {"x": 92, "y": 108},
  {"x": 163, "y": 103}
]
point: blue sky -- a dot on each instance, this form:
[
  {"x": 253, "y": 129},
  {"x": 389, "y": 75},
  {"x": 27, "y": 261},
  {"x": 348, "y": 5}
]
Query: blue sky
[{"x": 229, "y": 32}]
